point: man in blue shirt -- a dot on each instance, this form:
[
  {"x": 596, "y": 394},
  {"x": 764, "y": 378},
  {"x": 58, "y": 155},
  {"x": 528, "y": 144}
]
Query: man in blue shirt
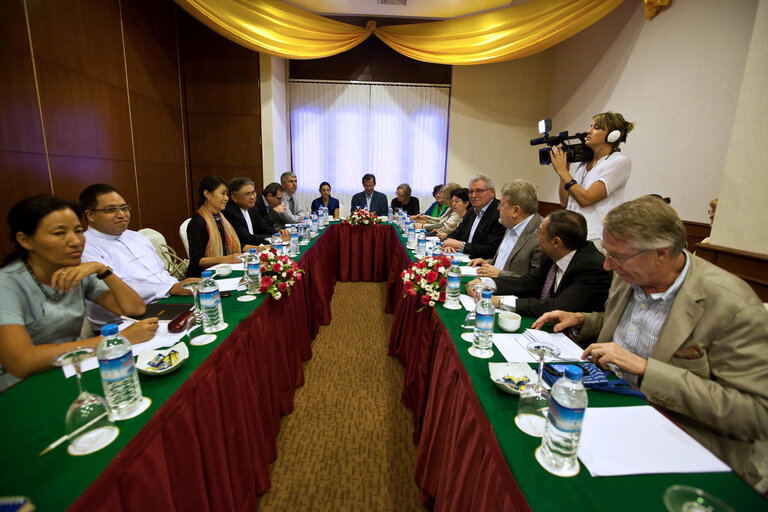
[{"x": 369, "y": 199}]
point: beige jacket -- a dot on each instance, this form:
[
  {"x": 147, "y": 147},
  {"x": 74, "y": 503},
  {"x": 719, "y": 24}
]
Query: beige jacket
[{"x": 721, "y": 397}]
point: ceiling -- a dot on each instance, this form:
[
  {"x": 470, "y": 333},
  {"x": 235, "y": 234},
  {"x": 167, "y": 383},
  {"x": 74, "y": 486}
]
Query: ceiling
[{"x": 413, "y": 9}]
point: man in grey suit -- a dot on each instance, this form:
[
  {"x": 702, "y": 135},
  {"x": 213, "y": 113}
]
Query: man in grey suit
[
  {"x": 375, "y": 202},
  {"x": 688, "y": 334},
  {"x": 519, "y": 252}
]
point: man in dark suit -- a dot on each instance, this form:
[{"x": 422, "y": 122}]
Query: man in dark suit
[
  {"x": 374, "y": 201},
  {"x": 570, "y": 278},
  {"x": 250, "y": 226},
  {"x": 479, "y": 233},
  {"x": 519, "y": 252},
  {"x": 270, "y": 206}
]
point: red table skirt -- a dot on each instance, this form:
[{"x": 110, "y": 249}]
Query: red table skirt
[{"x": 210, "y": 445}]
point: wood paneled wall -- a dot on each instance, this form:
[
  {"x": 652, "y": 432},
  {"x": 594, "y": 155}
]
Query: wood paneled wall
[
  {"x": 93, "y": 91},
  {"x": 223, "y": 103}
]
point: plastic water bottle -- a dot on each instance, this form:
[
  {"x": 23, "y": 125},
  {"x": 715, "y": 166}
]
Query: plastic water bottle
[
  {"x": 453, "y": 287},
  {"x": 421, "y": 244},
  {"x": 118, "y": 373},
  {"x": 389, "y": 215},
  {"x": 313, "y": 230},
  {"x": 485, "y": 314},
  {"x": 567, "y": 403},
  {"x": 294, "y": 243},
  {"x": 326, "y": 216},
  {"x": 411, "y": 233},
  {"x": 254, "y": 273},
  {"x": 210, "y": 304},
  {"x": 438, "y": 250},
  {"x": 277, "y": 244}
]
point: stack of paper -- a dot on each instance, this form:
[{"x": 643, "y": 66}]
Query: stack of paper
[
  {"x": 514, "y": 346},
  {"x": 640, "y": 440}
]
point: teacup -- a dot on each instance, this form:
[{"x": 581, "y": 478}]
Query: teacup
[
  {"x": 224, "y": 271},
  {"x": 509, "y": 321}
]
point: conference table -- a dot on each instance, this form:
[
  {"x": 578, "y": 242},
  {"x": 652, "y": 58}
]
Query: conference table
[{"x": 208, "y": 438}]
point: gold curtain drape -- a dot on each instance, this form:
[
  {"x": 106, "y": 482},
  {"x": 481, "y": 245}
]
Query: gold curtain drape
[{"x": 276, "y": 28}]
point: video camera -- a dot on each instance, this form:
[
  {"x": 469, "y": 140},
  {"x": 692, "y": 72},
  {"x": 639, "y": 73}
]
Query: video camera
[{"x": 573, "y": 152}]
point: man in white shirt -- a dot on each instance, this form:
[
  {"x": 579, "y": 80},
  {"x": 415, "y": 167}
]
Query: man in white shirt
[
  {"x": 292, "y": 212},
  {"x": 519, "y": 252},
  {"x": 130, "y": 255}
]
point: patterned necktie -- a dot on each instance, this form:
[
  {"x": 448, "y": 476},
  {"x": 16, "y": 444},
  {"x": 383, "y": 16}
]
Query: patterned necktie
[
  {"x": 292, "y": 205},
  {"x": 546, "y": 291}
]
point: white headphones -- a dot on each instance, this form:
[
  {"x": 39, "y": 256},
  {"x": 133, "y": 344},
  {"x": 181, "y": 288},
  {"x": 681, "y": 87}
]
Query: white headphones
[{"x": 613, "y": 136}]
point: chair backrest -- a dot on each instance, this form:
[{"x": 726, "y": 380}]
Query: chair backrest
[
  {"x": 183, "y": 235},
  {"x": 158, "y": 241}
]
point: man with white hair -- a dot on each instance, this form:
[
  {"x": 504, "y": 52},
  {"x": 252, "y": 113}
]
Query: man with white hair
[
  {"x": 479, "y": 233},
  {"x": 292, "y": 212},
  {"x": 688, "y": 334}
]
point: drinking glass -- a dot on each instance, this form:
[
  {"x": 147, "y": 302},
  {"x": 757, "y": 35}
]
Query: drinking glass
[
  {"x": 87, "y": 424},
  {"x": 534, "y": 400},
  {"x": 193, "y": 288},
  {"x": 245, "y": 279},
  {"x": 469, "y": 320},
  {"x": 682, "y": 498}
]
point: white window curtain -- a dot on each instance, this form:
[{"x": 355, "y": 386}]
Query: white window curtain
[{"x": 340, "y": 131}]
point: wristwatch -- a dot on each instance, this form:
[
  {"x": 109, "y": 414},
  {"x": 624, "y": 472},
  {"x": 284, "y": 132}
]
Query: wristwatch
[
  {"x": 105, "y": 274},
  {"x": 569, "y": 184}
]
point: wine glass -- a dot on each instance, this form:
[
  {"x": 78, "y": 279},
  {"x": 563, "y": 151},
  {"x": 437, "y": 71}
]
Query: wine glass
[
  {"x": 244, "y": 257},
  {"x": 682, "y": 498},
  {"x": 469, "y": 320},
  {"x": 534, "y": 400},
  {"x": 192, "y": 287},
  {"x": 87, "y": 424}
]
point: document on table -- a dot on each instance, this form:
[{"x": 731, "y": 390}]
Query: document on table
[
  {"x": 469, "y": 271},
  {"x": 459, "y": 256},
  {"x": 162, "y": 339},
  {"x": 640, "y": 440},
  {"x": 514, "y": 346},
  {"x": 229, "y": 284}
]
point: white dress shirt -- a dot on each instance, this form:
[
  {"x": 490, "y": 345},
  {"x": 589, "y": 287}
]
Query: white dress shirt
[
  {"x": 133, "y": 259},
  {"x": 478, "y": 218},
  {"x": 247, "y": 220}
]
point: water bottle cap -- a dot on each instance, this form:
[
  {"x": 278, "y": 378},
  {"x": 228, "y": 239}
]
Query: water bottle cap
[
  {"x": 207, "y": 274},
  {"x": 455, "y": 263},
  {"x": 252, "y": 251},
  {"x": 109, "y": 330},
  {"x": 574, "y": 372},
  {"x": 486, "y": 294}
]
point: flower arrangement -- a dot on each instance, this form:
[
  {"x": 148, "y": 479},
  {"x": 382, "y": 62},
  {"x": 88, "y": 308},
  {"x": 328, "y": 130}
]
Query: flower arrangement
[
  {"x": 362, "y": 217},
  {"x": 426, "y": 279},
  {"x": 278, "y": 273}
]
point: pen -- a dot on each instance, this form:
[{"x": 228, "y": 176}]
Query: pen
[{"x": 77, "y": 431}]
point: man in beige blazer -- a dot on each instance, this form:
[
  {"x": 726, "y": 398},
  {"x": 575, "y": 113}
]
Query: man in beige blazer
[
  {"x": 688, "y": 334},
  {"x": 519, "y": 251}
]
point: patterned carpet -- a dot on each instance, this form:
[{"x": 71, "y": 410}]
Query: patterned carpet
[{"x": 347, "y": 445}]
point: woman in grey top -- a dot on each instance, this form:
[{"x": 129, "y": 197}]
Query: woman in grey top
[
  {"x": 44, "y": 285},
  {"x": 448, "y": 221}
]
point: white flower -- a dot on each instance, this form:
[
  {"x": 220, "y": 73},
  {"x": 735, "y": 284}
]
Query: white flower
[
  {"x": 432, "y": 303},
  {"x": 278, "y": 295}
]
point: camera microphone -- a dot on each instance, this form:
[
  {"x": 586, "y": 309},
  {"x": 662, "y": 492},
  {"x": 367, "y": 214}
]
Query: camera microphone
[{"x": 540, "y": 140}]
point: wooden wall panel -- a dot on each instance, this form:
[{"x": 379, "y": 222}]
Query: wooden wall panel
[
  {"x": 72, "y": 174},
  {"x": 222, "y": 96},
  {"x": 695, "y": 232},
  {"x": 751, "y": 267}
]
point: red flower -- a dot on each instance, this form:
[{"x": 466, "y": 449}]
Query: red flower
[
  {"x": 282, "y": 287},
  {"x": 264, "y": 256},
  {"x": 411, "y": 292},
  {"x": 276, "y": 267},
  {"x": 408, "y": 286},
  {"x": 425, "y": 300},
  {"x": 421, "y": 264},
  {"x": 266, "y": 281},
  {"x": 431, "y": 276},
  {"x": 298, "y": 276},
  {"x": 263, "y": 289},
  {"x": 289, "y": 273},
  {"x": 443, "y": 282},
  {"x": 442, "y": 297},
  {"x": 273, "y": 250},
  {"x": 446, "y": 261}
]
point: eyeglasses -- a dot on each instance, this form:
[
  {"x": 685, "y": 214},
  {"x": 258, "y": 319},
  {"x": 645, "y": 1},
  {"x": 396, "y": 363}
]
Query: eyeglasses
[
  {"x": 478, "y": 191},
  {"x": 621, "y": 260},
  {"x": 110, "y": 210},
  {"x": 246, "y": 194}
]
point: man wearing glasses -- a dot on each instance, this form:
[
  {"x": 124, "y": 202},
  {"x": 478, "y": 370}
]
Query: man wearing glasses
[
  {"x": 688, "y": 334},
  {"x": 250, "y": 226},
  {"x": 479, "y": 233},
  {"x": 130, "y": 255}
]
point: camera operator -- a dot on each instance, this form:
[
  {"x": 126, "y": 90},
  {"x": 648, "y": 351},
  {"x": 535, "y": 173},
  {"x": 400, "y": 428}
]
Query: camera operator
[{"x": 596, "y": 186}]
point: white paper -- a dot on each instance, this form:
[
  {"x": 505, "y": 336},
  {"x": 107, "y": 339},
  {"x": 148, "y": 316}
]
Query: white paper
[
  {"x": 514, "y": 346},
  {"x": 469, "y": 271},
  {"x": 469, "y": 303},
  {"x": 460, "y": 257},
  {"x": 433, "y": 239},
  {"x": 162, "y": 339},
  {"x": 229, "y": 284},
  {"x": 640, "y": 440}
]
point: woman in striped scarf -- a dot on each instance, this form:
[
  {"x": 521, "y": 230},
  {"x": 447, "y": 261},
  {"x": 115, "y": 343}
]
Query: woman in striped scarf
[{"x": 212, "y": 239}]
